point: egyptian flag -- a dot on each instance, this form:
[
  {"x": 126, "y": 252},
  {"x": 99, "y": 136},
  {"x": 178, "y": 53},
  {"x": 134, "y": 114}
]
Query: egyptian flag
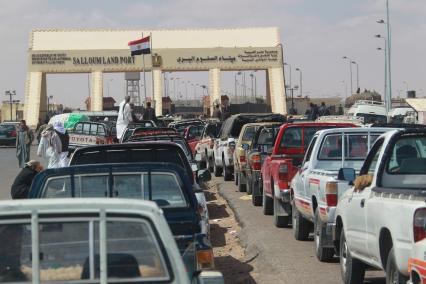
[{"x": 140, "y": 46}]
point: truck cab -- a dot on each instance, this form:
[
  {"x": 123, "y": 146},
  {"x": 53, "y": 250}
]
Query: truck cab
[
  {"x": 282, "y": 164},
  {"x": 88, "y": 133}
]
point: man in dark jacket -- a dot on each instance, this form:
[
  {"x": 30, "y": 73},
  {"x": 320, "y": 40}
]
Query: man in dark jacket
[
  {"x": 21, "y": 185},
  {"x": 149, "y": 113}
]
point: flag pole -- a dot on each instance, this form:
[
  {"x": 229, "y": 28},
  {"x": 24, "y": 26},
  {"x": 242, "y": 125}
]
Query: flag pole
[
  {"x": 144, "y": 79},
  {"x": 152, "y": 67}
]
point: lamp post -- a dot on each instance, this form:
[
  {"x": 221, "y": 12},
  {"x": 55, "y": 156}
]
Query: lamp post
[
  {"x": 388, "y": 48},
  {"x": 252, "y": 87},
  {"x": 300, "y": 83},
  {"x": 350, "y": 71},
  {"x": 16, "y": 109},
  {"x": 388, "y": 103},
  {"x": 357, "y": 75},
  {"x": 10, "y": 94},
  {"x": 289, "y": 65},
  {"x": 346, "y": 89}
]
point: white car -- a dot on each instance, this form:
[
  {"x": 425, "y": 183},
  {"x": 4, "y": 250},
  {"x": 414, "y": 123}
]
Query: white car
[{"x": 374, "y": 224}]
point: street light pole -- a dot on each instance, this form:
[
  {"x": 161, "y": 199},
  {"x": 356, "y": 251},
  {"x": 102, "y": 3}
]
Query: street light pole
[
  {"x": 357, "y": 75},
  {"x": 389, "y": 41},
  {"x": 388, "y": 102},
  {"x": 10, "y": 94},
  {"x": 252, "y": 87},
  {"x": 350, "y": 71},
  {"x": 300, "y": 83},
  {"x": 289, "y": 65}
]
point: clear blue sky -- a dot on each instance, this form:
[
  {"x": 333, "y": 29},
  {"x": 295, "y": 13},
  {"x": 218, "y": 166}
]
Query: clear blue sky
[{"x": 316, "y": 34}]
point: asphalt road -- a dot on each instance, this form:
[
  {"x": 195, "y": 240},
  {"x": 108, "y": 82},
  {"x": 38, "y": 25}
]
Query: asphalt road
[
  {"x": 9, "y": 168},
  {"x": 276, "y": 256}
]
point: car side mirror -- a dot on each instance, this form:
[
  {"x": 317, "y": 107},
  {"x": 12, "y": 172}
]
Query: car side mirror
[
  {"x": 347, "y": 174},
  {"x": 194, "y": 167},
  {"x": 204, "y": 176},
  {"x": 245, "y": 146},
  {"x": 209, "y": 277}
]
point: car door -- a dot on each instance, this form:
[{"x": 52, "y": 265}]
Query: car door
[
  {"x": 356, "y": 212},
  {"x": 304, "y": 180}
]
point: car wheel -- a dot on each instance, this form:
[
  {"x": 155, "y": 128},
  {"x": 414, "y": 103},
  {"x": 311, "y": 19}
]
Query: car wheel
[
  {"x": 237, "y": 177},
  {"x": 248, "y": 186},
  {"x": 393, "y": 275},
  {"x": 227, "y": 176},
  {"x": 352, "y": 270},
  {"x": 210, "y": 164},
  {"x": 301, "y": 226},
  {"x": 268, "y": 206},
  {"x": 241, "y": 187},
  {"x": 216, "y": 170},
  {"x": 322, "y": 253},
  {"x": 256, "y": 200},
  {"x": 280, "y": 221}
]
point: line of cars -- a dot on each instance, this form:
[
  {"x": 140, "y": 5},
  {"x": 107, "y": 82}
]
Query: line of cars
[
  {"x": 125, "y": 212},
  {"x": 356, "y": 190}
]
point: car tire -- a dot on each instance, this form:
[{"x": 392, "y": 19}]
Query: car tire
[
  {"x": 323, "y": 254},
  {"x": 227, "y": 176},
  {"x": 280, "y": 221},
  {"x": 241, "y": 187},
  {"x": 210, "y": 164},
  {"x": 237, "y": 177},
  {"x": 256, "y": 200},
  {"x": 216, "y": 170},
  {"x": 301, "y": 226},
  {"x": 392, "y": 273},
  {"x": 352, "y": 270},
  {"x": 267, "y": 205},
  {"x": 249, "y": 189}
]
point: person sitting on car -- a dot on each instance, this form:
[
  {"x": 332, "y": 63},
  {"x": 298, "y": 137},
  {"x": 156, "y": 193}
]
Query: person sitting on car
[{"x": 21, "y": 185}]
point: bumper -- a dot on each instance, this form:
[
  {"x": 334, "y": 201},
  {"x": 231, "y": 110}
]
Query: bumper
[
  {"x": 256, "y": 179},
  {"x": 8, "y": 141}
]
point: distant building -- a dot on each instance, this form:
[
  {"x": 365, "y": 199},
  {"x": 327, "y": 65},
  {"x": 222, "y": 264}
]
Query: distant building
[
  {"x": 17, "y": 111},
  {"x": 107, "y": 102}
]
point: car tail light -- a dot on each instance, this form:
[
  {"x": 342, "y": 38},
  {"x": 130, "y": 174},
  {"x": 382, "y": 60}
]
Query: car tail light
[
  {"x": 255, "y": 162},
  {"x": 331, "y": 193},
  {"x": 283, "y": 172},
  {"x": 419, "y": 225},
  {"x": 12, "y": 133},
  {"x": 242, "y": 159},
  {"x": 205, "y": 258},
  {"x": 211, "y": 143}
]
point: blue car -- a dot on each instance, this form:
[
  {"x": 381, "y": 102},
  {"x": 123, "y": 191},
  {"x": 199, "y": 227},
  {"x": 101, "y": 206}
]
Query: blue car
[{"x": 164, "y": 183}]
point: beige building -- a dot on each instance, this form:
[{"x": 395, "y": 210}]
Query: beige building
[
  {"x": 99, "y": 51},
  {"x": 14, "y": 111}
]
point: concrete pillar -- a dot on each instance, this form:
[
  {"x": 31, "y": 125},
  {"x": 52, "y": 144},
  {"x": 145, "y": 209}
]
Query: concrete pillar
[
  {"x": 96, "y": 91},
  {"x": 35, "y": 94},
  {"x": 268, "y": 89},
  {"x": 277, "y": 90},
  {"x": 214, "y": 88},
  {"x": 157, "y": 80}
]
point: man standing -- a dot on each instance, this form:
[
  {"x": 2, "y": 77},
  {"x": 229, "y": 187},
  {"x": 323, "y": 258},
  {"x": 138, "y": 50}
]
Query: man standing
[
  {"x": 24, "y": 139},
  {"x": 124, "y": 116},
  {"x": 149, "y": 113},
  {"x": 64, "y": 137}
]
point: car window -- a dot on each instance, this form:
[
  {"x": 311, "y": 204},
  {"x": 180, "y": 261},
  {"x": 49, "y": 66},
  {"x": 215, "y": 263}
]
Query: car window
[
  {"x": 308, "y": 133},
  {"x": 57, "y": 187},
  {"x": 92, "y": 186},
  {"x": 372, "y": 158},
  {"x": 291, "y": 138},
  {"x": 310, "y": 148},
  {"x": 408, "y": 156},
  {"x": 166, "y": 190},
  {"x": 86, "y": 128},
  {"x": 70, "y": 251},
  {"x": 249, "y": 133},
  {"x": 79, "y": 128},
  {"x": 101, "y": 130},
  {"x": 128, "y": 186},
  {"x": 15, "y": 251}
]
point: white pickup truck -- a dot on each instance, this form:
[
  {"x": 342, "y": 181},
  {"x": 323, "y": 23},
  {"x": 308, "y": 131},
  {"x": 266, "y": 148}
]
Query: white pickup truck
[
  {"x": 318, "y": 184},
  {"x": 379, "y": 220}
]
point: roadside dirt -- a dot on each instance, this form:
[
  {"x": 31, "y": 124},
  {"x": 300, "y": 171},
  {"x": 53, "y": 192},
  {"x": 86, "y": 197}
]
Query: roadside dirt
[{"x": 230, "y": 258}]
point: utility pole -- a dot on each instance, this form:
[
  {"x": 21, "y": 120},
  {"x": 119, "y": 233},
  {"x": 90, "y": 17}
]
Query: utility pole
[{"x": 10, "y": 94}]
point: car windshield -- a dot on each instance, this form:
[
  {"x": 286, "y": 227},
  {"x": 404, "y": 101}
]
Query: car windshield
[
  {"x": 70, "y": 251},
  {"x": 249, "y": 133},
  {"x": 165, "y": 188}
]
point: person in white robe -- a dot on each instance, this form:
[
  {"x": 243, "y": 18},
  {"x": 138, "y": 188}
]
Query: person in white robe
[{"x": 124, "y": 116}]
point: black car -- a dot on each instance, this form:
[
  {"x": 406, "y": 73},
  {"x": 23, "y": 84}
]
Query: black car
[{"x": 8, "y": 133}]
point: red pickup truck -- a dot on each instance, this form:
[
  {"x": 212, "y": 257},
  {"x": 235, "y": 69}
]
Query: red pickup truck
[{"x": 281, "y": 165}]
